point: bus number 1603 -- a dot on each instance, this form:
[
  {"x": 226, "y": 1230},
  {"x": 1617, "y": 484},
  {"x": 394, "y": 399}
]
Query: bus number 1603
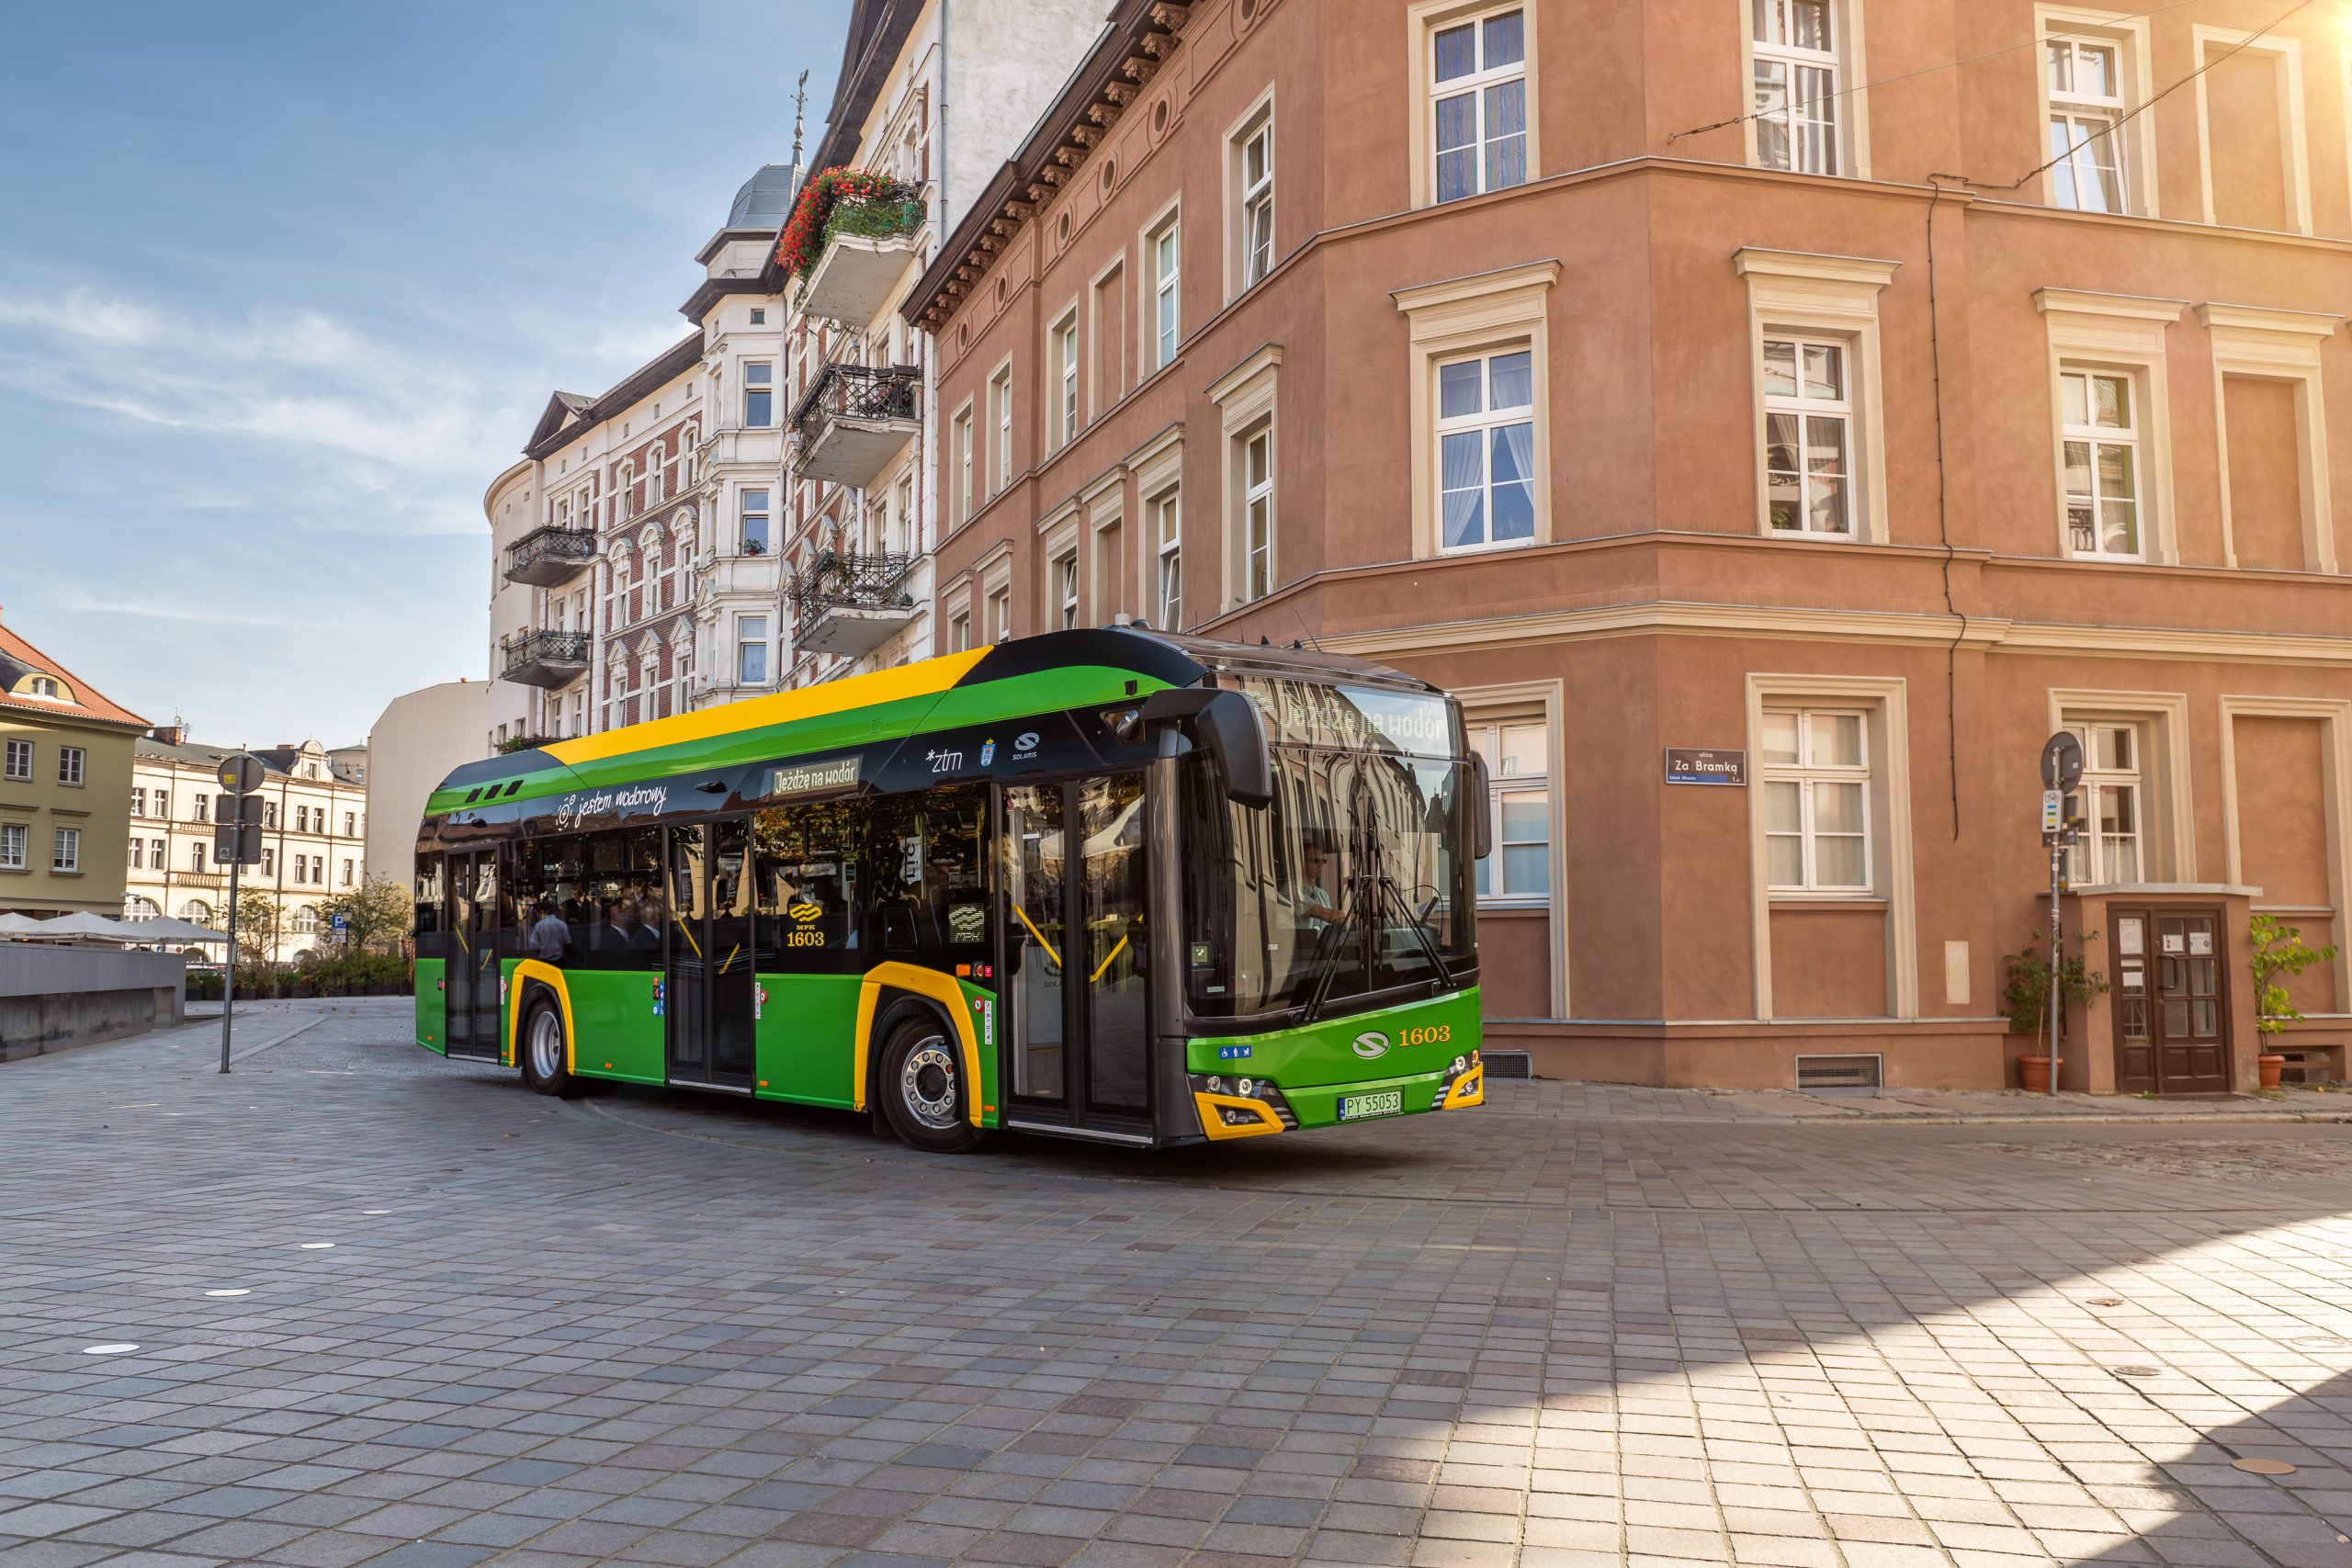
[{"x": 1435, "y": 1034}]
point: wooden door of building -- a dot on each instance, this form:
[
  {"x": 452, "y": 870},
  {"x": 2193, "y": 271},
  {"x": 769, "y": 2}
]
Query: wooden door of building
[{"x": 2171, "y": 1001}]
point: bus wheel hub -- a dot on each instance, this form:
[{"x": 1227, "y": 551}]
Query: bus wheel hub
[{"x": 927, "y": 1084}]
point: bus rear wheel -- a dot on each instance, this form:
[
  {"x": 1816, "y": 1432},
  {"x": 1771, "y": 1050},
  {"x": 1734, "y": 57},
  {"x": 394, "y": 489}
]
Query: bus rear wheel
[
  {"x": 924, "y": 1091},
  {"x": 543, "y": 1044}
]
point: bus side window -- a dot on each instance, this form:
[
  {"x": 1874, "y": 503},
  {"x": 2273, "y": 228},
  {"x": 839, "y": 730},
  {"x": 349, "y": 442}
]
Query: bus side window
[
  {"x": 428, "y": 906},
  {"x": 805, "y": 904},
  {"x": 929, "y": 860},
  {"x": 619, "y": 887}
]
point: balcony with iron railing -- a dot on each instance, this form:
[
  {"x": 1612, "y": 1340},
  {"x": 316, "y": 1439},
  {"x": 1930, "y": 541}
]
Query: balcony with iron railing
[
  {"x": 867, "y": 243},
  {"x": 849, "y": 603},
  {"x": 550, "y": 557},
  {"x": 854, "y": 420},
  {"x": 545, "y": 659}
]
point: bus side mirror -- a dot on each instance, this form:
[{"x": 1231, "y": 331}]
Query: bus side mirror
[
  {"x": 1227, "y": 725},
  {"x": 1482, "y": 822}
]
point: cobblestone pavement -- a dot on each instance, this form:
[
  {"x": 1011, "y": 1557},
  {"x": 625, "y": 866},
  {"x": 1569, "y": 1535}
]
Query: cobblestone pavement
[{"x": 478, "y": 1326}]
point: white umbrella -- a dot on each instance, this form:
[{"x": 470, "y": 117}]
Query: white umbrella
[
  {"x": 168, "y": 929},
  {"x": 86, "y": 925},
  {"x": 14, "y": 924}
]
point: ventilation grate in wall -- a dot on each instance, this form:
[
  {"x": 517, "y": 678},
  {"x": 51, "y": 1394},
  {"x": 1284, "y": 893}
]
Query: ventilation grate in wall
[
  {"x": 1508, "y": 1064},
  {"x": 1857, "y": 1074}
]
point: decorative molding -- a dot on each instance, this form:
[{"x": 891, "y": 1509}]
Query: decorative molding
[
  {"x": 2265, "y": 343},
  {"x": 1810, "y": 267},
  {"x": 1466, "y": 315},
  {"x": 2122, "y": 307},
  {"x": 1797, "y": 291}
]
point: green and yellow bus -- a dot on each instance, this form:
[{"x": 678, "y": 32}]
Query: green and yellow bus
[{"x": 1111, "y": 883}]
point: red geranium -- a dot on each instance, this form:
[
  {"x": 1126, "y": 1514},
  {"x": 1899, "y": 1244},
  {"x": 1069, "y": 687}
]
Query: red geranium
[{"x": 803, "y": 239}]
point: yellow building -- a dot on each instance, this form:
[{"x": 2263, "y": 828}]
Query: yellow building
[
  {"x": 64, "y": 787},
  {"x": 314, "y": 827}
]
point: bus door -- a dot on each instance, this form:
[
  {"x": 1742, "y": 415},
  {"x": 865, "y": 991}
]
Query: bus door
[
  {"x": 708, "y": 975},
  {"x": 1076, "y": 1033},
  {"x": 475, "y": 941}
]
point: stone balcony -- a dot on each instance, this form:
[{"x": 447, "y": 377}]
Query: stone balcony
[
  {"x": 550, "y": 557},
  {"x": 545, "y": 659},
  {"x": 870, "y": 247},
  {"x": 854, "y": 420},
  {"x": 849, "y": 604}
]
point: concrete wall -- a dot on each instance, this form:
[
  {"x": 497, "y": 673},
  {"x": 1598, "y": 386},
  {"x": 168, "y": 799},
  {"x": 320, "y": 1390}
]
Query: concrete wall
[
  {"x": 55, "y": 998},
  {"x": 415, "y": 743}
]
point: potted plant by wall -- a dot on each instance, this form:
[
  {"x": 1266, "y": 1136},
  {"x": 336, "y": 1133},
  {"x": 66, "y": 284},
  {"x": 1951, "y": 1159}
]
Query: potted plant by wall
[
  {"x": 2027, "y": 996},
  {"x": 2279, "y": 955}
]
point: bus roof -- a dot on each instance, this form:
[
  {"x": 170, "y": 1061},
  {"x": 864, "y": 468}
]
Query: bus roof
[{"x": 1002, "y": 681}]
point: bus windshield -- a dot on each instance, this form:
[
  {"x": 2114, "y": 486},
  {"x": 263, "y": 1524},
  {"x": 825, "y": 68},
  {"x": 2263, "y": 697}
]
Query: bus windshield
[{"x": 1351, "y": 885}]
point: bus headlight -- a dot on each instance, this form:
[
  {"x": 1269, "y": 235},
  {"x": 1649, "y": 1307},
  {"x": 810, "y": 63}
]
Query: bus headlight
[
  {"x": 1240, "y": 1108},
  {"x": 1465, "y": 1084}
]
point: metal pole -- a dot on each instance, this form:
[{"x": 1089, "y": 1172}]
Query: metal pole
[
  {"x": 229, "y": 975},
  {"x": 2056, "y": 939}
]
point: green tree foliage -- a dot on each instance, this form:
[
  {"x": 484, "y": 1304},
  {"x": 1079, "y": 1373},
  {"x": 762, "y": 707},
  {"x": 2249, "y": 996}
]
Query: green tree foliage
[
  {"x": 2279, "y": 954},
  {"x": 376, "y": 915}
]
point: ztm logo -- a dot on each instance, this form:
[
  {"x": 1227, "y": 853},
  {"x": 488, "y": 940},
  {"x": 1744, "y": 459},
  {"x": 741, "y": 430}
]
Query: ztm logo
[{"x": 1372, "y": 1044}]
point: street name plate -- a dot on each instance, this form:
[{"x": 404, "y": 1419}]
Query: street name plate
[{"x": 1704, "y": 765}]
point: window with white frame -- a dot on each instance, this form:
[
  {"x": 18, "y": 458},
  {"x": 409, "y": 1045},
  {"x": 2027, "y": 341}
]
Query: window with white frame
[
  {"x": 1166, "y": 515},
  {"x": 1000, "y": 410},
  {"x": 155, "y": 851},
  {"x": 1795, "y": 44},
  {"x": 20, "y": 760},
  {"x": 1066, "y": 589},
  {"x": 959, "y": 632},
  {"x": 2101, "y": 461},
  {"x": 752, "y": 651},
  {"x": 751, "y": 506},
  {"x": 2109, "y": 800},
  {"x": 12, "y": 846},
  {"x": 347, "y": 871},
  {"x": 306, "y": 921},
  {"x": 1478, "y": 93},
  {"x": 1486, "y": 439},
  {"x": 1066, "y": 380},
  {"x": 137, "y": 800},
  {"x": 268, "y": 859},
  {"x": 1518, "y": 806},
  {"x": 1258, "y": 513},
  {"x": 1254, "y": 221},
  {"x": 66, "y": 850},
  {"x": 648, "y": 681},
  {"x": 1815, "y": 772},
  {"x": 1165, "y": 245},
  {"x": 137, "y": 854},
  {"x": 1808, "y": 436},
  {"x": 1001, "y": 615},
  {"x": 963, "y": 450},
  {"x": 759, "y": 396},
  {"x": 2086, "y": 108},
  {"x": 195, "y": 857},
  {"x": 69, "y": 759}
]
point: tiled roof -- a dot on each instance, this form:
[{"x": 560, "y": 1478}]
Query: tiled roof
[{"x": 20, "y": 657}]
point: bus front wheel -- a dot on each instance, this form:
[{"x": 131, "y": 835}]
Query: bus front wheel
[
  {"x": 922, "y": 1088},
  {"x": 543, "y": 1067}
]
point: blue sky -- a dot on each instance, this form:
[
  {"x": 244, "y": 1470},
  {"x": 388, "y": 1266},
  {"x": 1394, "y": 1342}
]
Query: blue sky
[{"x": 284, "y": 285}]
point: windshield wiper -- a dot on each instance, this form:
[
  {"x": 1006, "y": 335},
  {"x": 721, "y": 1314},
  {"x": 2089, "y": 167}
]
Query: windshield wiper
[{"x": 1365, "y": 905}]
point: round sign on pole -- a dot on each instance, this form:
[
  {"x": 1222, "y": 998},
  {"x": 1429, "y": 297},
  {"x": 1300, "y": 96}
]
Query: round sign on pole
[
  {"x": 240, "y": 773},
  {"x": 2062, "y": 763}
]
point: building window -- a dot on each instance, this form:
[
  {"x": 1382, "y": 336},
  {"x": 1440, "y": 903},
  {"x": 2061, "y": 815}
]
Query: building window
[
  {"x": 2102, "y": 463},
  {"x": 759, "y": 316},
  {"x": 752, "y": 507},
  {"x": 20, "y": 760},
  {"x": 1165, "y": 512},
  {"x": 2109, "y": 802},
  {"x": 1815, "y": 776},
  {"x": 12, "y": 846},
  {"x": 1066, "y": 589},
  {"x": 306, "y": 921},
  {"x": 137, "y": 800},
  {"x": 268, "y": 813},
  {"x": 155, "y": 854},
  {"x": 1808, "y": 437},
  {"x": 351, "y": 823},
  {"x": 1066, "y": 378},
  {"x": 1258, "y": 513},
  {"x": 1519, "y": 805},
  {"x": 959, "y": 632},
  {"x": 1254, "y": 221},
  {"x": 269, "y": 861},
  {"x": 964, "y": 464},
  {"x": 759, "y": 396},
  {"x": 752, "y": 651},
  {"x": 200, "y": 809},
  {"x": 66, "y": 853},
  {"x": 195, "y": 857},
  {"x": 1486, "y": 434},
  {"x": 2086, "y": 108},
  {"x": 1166, "y": 316},
  {"x": 137, "y": 854},
  {"x": 1479, "y": 67},
  {"x": 1796, "y": 84},
  {"x": 68, "y": 764},
  {"x": 1000, "y": 407},
  {"x": 1001, "y": 615}
]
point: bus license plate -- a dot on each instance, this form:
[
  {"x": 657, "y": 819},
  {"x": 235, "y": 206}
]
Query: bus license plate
[{"x": 1355, "y": 1107}]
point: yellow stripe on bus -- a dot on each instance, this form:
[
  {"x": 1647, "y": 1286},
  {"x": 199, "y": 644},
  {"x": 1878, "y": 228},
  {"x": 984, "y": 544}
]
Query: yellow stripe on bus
[{"x": 923, "y": 678}]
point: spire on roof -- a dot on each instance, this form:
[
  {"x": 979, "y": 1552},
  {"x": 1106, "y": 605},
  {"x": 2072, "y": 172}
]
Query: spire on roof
[{"x": 800, "y": 105}]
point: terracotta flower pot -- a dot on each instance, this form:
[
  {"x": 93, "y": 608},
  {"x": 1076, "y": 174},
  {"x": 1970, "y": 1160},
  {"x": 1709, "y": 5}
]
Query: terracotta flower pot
[
  {"x": 2270, "y": 1066},
  {"x": 2034, "y": 1073}
]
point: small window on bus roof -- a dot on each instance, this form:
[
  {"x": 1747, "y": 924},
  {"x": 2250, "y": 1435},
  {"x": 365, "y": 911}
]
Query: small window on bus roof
[
  {"x": 472, "y": 794},
  {"x": 516, "y": 785}
]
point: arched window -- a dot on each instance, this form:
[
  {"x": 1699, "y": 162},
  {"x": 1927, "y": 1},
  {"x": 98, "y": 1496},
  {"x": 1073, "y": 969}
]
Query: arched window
[
  {"x": 196, "y": 909},
  {"x": 306, "y": 921},
  {"x": 139, "y": 906},
  {"x": 653, "y": 477}
]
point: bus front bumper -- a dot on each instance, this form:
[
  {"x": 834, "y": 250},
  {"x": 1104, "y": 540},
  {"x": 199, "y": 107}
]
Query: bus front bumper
[{"x": 1241, "y": 1106}]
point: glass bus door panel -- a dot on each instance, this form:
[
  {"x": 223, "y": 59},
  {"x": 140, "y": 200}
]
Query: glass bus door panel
[
  {"x": 1035, "y": 941},
  {"x": 683, "y": 922},
  {"x": 458, "y": 973},
  {"x": 729, "y": 940},
  {"x": 474, "y": 1014},
  {"x": 1109, "y": 823}
]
